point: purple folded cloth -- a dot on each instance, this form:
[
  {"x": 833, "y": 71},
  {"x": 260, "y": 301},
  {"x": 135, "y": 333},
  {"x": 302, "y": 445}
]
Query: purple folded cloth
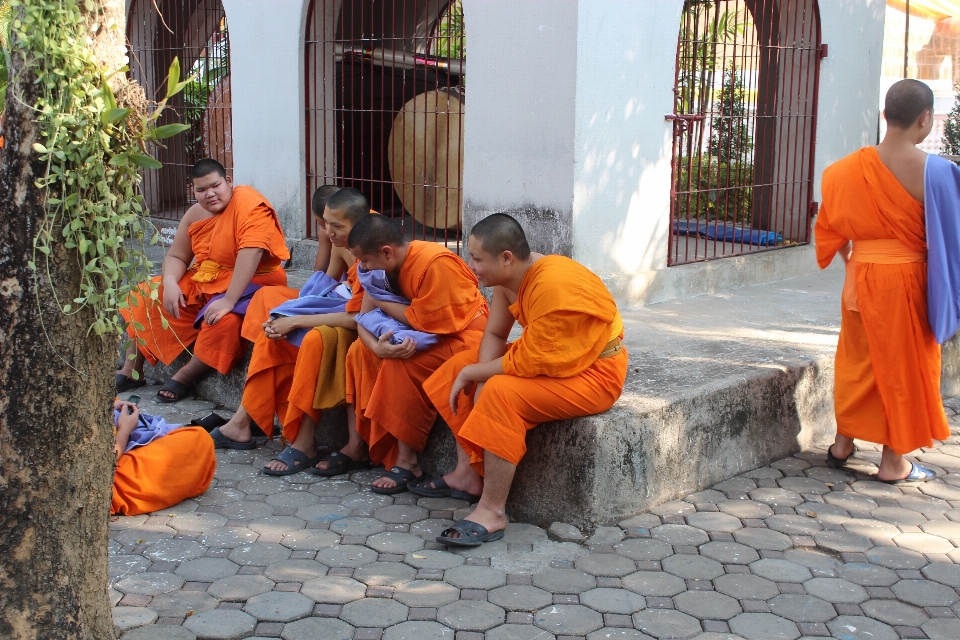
[
  {"x": 376, "y": 285},
  {"x": 240, "y": 308},
  {"x": 942, "y": 208},
  {"x": 148, "y": 429},
  {"x": 318, "y": 295}
]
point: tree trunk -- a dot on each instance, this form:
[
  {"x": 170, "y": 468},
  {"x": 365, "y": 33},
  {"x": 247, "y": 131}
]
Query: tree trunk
[{"x": 56, "y": 436}]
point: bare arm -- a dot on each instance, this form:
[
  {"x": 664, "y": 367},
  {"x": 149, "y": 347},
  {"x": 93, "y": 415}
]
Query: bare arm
[
  {"x": 845, "y": 251},
  {"x": 279, "y": 327},
  {"x": 243, "y": 271},
  {"x": 499, "y": 323},
  {"x": 337, "y": 263},
  {"x": 395, "y": 310},
  {"x": 324, "y": 253},
  {"x": 177, "y": 260}
]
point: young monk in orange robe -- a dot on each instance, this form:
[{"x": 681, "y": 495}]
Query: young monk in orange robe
[
  {"x": 389, "y": 415},
  {"x": 162, "y": 473},
  {"x": 228, "y": 240},
  {"x": 282, "y": 378},
  {"x": 887, "y": 387},
  {"x": 568, "y": 362}
]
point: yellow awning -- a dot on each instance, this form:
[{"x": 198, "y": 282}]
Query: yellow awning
[{"x": 929, "y": 9}]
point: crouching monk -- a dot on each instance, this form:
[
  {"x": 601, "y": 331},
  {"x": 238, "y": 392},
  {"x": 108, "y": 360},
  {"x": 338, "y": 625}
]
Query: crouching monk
[
  {"x": 229, "y": 243},
  {"x": 568, "y": 362},
  {"x": 887, "y": 387}
]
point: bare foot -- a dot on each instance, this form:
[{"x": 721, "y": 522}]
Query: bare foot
[
  {"x": 277, "y": 465},
  {"x": 466, "y": 480},
  {"x": 236, "y": 431},
  {"x": 356, "y": 452},
  {"x": 895, "y": 470},
  {"x": 490, "y": 519}
]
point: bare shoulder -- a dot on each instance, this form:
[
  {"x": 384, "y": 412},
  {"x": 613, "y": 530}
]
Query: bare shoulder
[
  {"x": 195, "y": 213},
  {"x": 907, "y": 166},
  {"x": 504, "y": 295}
]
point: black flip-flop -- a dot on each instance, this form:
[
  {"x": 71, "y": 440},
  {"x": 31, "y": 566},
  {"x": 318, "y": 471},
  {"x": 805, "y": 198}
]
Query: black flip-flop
[
  {"x": 440, "y": 489},
  {"x": 295, "y": 460},
  {"x": 209, "y": 422},
  {"x": 340, "y": 463},
  {"x": 918, "y": 473},
  {"x": 471, "y": 535},
  {"x": 178, "y": 389},
  {"x": 125, "y": 383},
  {"x": 221, "y": 441},
  {"x": 834, "y": 461},
  {"x": 403, "y": 478}
]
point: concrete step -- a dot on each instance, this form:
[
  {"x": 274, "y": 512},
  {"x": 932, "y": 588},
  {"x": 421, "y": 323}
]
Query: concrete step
[{"x": 718, "y": 385}]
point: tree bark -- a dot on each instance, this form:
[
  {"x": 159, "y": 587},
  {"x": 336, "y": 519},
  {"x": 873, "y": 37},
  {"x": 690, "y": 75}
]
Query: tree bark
[{"x": 56, "y": 435}]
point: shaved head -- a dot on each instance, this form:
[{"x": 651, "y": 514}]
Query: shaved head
[
  {"x": 372, "y": 232},
  {"x": 319, "y": 200},
  {"x": 352, "y": 204},
  {"x": 905, "y": 101},
  {"x": 205, "y": 167},
  {"x": 498, "y": 233}
]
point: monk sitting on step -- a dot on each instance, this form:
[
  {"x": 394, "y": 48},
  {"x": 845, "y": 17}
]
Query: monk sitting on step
[
  {"x": 568, "y": 362},
  {"x": 288, "y": 355},
  {"x": 227, "y": 245},
  {"x": 388, "y": 413}
]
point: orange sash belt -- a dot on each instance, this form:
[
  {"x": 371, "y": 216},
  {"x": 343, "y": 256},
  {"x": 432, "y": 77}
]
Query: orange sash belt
[
  {"x": 888, "y": 251},
  {"x": 209, "y": 270}
]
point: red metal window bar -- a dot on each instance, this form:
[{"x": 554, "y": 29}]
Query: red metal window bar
[{"x": 744, "y": 127}]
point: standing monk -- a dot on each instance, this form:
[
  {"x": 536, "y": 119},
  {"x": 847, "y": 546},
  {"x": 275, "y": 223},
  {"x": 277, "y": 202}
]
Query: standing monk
[
  {"x": 388, "y": 412},
  {"x": 229, "y": 240},
  {"x": 569, "y": 362},
  {"x": 887, "y": 386}
]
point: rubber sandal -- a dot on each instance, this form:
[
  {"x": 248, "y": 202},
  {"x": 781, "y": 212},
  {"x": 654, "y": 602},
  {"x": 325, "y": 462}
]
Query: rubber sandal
[
  {"x": 295, "y": 460},
  {"x": 221, "y": 441},
  {"x": 125, "y": 383},
  {"x": 340, "y": 463},
  {"x": 403, "y": 478},
  {"x": 178, "y": 389},
  {"x": 917, "y": 473},
  {"x": 440, "y": 489},
  {"x": 471, "y": 535},
  {"x": 834, "y": 461},
  {"x": 209, "y": 422}
]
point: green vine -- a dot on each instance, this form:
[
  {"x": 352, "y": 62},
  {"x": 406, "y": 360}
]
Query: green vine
[{"x": 93, "y": 150}]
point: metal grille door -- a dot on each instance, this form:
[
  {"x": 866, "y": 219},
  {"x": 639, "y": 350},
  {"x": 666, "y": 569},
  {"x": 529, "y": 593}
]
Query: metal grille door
[
  {"x": 196, "y": 32},
  {"x": 744, "y": 126},
  {"x": 384, "y": 108}
]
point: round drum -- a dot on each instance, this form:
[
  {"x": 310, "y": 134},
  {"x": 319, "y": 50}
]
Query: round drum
[{"x": 425, "y": 152}]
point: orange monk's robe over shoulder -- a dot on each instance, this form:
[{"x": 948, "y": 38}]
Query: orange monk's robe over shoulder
[
  {"x": 248, "y": 222},
  {"x": 552, "y": 372},
  {"x": 887, "y": 387},
  {"x": 388, "y": 395},
  {"x": 164, "y": 473}
]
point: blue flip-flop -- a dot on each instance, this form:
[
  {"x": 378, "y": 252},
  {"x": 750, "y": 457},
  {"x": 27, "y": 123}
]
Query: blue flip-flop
[
  {"x": 471, "y": 535},
  {"x": 295, "y": 460},
  {"x": 221, "y": 441},
  {"x": 403, "y": 478},
  {"x": 917, "y": 473}
]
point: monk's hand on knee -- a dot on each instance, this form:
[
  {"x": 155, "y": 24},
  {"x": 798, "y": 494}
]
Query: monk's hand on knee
[
  {"x": 217, "y": 310},
  {"x": 459, "y": 385},
  {"x": 387, "y": 350},
  {"x": 173, "y": 299}
]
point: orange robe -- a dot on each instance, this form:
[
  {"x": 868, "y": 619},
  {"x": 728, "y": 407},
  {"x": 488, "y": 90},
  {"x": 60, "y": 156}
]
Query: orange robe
[
  {"x": 388, "y": 395},
  {"x": 552, "y": 372},
  {"x": 166, "y": 472},
  {"x": 261, "y": 304},
  {"x": 282, "y": 379},
  {"x": 887, "y": 380},
  {"x": 248, "y": 222}
]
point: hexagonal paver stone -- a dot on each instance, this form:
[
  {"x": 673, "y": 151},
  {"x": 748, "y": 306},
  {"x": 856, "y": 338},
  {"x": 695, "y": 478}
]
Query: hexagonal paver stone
[
  {"x": 131, "y": 617},
  {"x": 568, "y": 619},
  {"x": 715, "y": 522},
  {"x": 520, "y": 533},
  {"x": 608, "y": 565},
  {"x": 691, "y": 567},
  {"x": 898, "y": 516},
  {"x": 259, "y": 554},
  {"x": 607, "y": 600},
  {"x": 729, "y": 552},
  {"x": 295, "y": 570},
  {"x": 333, "y": 590},
  {"x": 114, "y": 596},
  {"x": 674, "y": 508},
  {"x": 206, "y": 569},
  {"x": 666, "y": 623},
  {"x": 776, "y": 497},
  {"x": 144, "y": 534},
  {"x": 362, "y": 527},
  {"x": 430, "y": 528},
  {"x": 763, "y": 539},
  {"x": 124, "y": 565},
  {"x": 745, "y": 508},
  {"x": 606, "y": 536},
  {"x": 314, "y": 628},
  {"x": 276, "y": 525},
  {"x": 800, "y": 608},
  {"x": 896, "y": 558},
  {"x": 708, "y": 496},
  {"x": 868, "y": 575},
  {"x": 292, "y": 499},
  {"x": 927, "y": 505},
  {"x": 923, "y": 543},
  {"x": 374, "y": 612},
  {"x": 564, "y": 581},
  {"x": 948, "y": 574},
  {"x": 764, "y": 626},
  {"x": 943, "y": 529},
  {"x": 842, "y": 541},
  {"x": 346, "y": 555},
  {"x": 654, "y": 583},
  {"x": 220, "y": 497},
  {"x": 644, "y": 549},
  {"x": 239, "y": 588},
  {"x": 803, "y": 485},
  {"x": 871, "y": 528},
  {"x": 228, "y": 537},
  {"x": 475, "y": 577},
  {"x": 850, "y": 500},
  {"x": 178, "y": 604},
  {"x": 860, "y": 628},
  {"x": 793, "y": 525},
  {"x": 367, "y": 500},
  {"x": 385, "y": 574},
  {"x": 520, "y": 598},
  {"x": 613, "y": 633},
  {"x": 431, "y": 559},
  {"x": 310, "y": 540},
  {"x": 876, "y": 489},
  {"x": 741, "y": 483},
  {"x": 262, "y": 485},
  {"x": 150, "y": 583},
  {"x": 680, "y": 535},
  {"x": 519, "y": 632},
  {"x": 395, "y": 542},
  {"x": 486, "y": 550},
  {"x": 426, "y": 593},
  {"x": 894, "y": 612},
  {"x": 941, "y": 629},
  {"x": 707, "y": 605},
  {"x": 925, "y": 593},
  {"x": 175, "y": 550},
  {"x": 812, "y": 559},
  {"x": 199, "y": 522},
  {"x": 330, "y": 513},
  {"x": 823, "y": 512},
  {"x": 418, "y": 630},
  {"x": 159, "y": 632},
  {"x": 221, "y": 624},
  {"x": 836, "y": 590},
  {"x": 745, "y": 587},
  {"x": 470, "y": 615},
  {"x": 279, "y": 606},
  {"x": 780, "y": 570}
]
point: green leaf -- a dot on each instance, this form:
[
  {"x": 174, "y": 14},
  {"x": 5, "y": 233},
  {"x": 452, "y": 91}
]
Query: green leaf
[
  {"x": 164, "y": 323},
  {"x": 145, "y": 161},
  {"x": 112, "y": 115},
  {"x": 39, "y": 148},
  {"x": 169, "y": 130},
  {"x": 120, "y": 160},
  {"x": 66, "y": 308},
  {"x": 173, "y": 79}
]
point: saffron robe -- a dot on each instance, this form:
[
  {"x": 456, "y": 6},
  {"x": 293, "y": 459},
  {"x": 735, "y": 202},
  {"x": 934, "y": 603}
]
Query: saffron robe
[
  {"x": 248, "y": 222},
  {"x": 164, "y": 472},
  {"x": 552, "y": 372},
  {"x": 388, "y": 395},
  {"x": 887, "y": 379},
  {"x": 282, "y": 378}
]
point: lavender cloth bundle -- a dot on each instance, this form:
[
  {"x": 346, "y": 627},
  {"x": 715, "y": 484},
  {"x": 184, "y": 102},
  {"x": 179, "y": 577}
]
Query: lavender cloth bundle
[{"x": 376, "y": 284}]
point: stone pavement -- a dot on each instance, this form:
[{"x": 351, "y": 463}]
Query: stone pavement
[{"x": 790, "y": 550}]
